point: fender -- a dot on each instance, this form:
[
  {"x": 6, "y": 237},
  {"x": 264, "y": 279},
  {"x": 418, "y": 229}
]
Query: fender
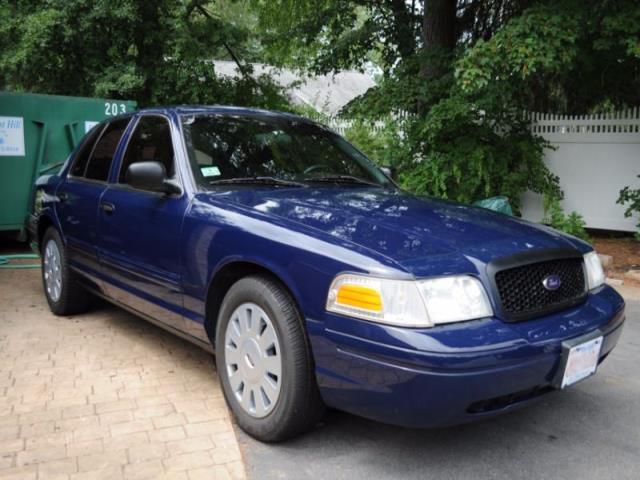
[
  {"x": 214, "y": 237},
  {"x": 44, "y": 211}
]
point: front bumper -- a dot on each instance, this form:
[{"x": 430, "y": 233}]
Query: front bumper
[{"x": 454, "y": 373}]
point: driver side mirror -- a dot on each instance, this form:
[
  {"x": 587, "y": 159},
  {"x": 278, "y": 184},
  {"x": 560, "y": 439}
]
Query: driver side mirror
[{"x": 150, "y": 176}]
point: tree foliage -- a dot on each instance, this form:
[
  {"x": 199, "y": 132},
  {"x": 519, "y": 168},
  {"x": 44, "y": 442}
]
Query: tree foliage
[
  {"x": 465, "y": 70},
  {"x": 565, "y": 57},
  {"x": 326, "y": 35},
  {"x": 154, "y": 52},
  {"x": 468, "y": 137}
]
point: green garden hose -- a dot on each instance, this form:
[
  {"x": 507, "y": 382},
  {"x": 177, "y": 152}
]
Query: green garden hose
[{"x": 5, "y": 261}]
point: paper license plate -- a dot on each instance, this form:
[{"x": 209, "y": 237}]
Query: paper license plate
[{"x": 582, "y": 361}]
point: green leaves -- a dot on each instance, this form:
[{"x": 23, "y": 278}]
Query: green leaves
[
  {"x": 541, "y": 40},
  {"x": 466, "y": 137},
  {"x": 562, "y": 57},
  {"x": 458, "y": 154},
  {"x": 459, "y": 151},
  {"x": 153, "y": 52},
  {"x": 384, "y": 144},
  {"x": 573, "y": 223},
  {"x": 631, "y": 198},
  {"x": 324, "y": 36},
  {"x": 622, "y": 30}
]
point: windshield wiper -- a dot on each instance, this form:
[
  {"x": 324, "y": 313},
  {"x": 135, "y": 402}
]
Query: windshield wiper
[
  {"x": 347, "y": 179},
  {"x": 257, "y": 180}
]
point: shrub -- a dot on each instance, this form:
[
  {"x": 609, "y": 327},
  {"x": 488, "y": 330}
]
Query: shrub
[
  {"x": 631, "y": 196},
  {"x": 464, "y": 153},
  {"x": 383, "y": 145},
  {"x": 573, "y": 223}
]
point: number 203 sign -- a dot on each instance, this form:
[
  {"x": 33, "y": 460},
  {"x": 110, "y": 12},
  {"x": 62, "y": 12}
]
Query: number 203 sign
[{"x": 114, "y": 108}]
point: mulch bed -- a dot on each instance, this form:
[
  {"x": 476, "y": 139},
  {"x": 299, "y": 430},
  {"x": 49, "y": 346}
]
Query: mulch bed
[{"x": 624, "y": 250}]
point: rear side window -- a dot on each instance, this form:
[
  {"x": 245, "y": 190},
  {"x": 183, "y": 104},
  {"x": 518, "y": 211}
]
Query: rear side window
[
  {"x": 102, "y": 156},
  {"x": 82, "y": 157},
  {"x": 150, "y": 141}
]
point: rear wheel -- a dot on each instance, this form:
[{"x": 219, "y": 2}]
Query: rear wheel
[
  {"x": 61, "y": 287},
  {"x": 264, "y": 361}
]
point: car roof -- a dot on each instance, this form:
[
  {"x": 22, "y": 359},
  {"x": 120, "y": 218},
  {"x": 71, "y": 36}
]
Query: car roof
[{"x": 223, "y": 109}]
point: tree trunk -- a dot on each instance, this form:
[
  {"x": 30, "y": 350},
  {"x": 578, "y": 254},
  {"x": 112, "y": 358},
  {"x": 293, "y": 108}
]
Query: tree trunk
[
  {"x": 438, "y": 35},
  {"x": 404, "y": 28}
]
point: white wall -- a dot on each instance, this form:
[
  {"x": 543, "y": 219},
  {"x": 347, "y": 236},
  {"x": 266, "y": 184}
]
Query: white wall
[{"x": 595, "y": 157}]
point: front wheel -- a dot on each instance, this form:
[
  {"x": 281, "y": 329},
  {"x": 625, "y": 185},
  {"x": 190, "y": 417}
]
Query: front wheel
[
  {"x": 64, "y": 294},
  {"x": 264, "y": 361}
]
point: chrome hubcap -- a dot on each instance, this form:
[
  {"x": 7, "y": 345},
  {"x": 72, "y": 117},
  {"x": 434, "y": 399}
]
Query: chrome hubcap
[
  {"x": 52, "y": 270},
  {"x": 253, "y": 359}
]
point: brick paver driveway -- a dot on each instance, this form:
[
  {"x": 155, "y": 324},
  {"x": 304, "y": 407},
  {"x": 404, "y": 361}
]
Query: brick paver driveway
[{"x": 104, "y": 395}]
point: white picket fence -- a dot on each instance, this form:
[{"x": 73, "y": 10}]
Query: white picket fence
[
  {"x": 595, "y": 156},
  {"x": 588, "y": 127},
  {"x": 342, "y": 125}
]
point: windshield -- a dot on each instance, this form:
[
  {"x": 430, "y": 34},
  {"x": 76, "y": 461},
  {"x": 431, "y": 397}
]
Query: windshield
[{"x": 237, "y": 150}]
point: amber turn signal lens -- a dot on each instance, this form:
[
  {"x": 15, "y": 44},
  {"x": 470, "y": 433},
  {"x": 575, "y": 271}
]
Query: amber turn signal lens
[{"x": 360, "y": 297}]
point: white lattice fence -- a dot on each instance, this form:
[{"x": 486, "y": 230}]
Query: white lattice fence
[
  {"x": 624, "y": 125},
  {"x": 342, "y": 125}
]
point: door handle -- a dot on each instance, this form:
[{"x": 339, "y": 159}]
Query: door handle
[
  {"x": 107, "y": 207},
  {"x": 63, "y": 197}
]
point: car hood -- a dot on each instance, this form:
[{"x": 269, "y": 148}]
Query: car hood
[{"x": 423, "y": 235}]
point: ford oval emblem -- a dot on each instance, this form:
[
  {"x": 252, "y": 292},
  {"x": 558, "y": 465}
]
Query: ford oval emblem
[{"x": 552, "y": 282}]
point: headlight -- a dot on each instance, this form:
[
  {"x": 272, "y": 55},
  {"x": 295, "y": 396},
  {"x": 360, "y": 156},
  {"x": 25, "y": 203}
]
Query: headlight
[
  {"x": 406, "y": 303},
  {"x": 455, "y": 299},
  {"x": 593, "y": 267}
]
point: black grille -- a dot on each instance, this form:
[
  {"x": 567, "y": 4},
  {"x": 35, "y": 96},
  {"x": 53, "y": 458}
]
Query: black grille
[
  {"x": 498, "y": 403},
  {"x": 523, "y": 295}
]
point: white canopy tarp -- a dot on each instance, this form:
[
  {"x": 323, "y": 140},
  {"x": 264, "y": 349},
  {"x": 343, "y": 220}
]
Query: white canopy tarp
[{"x": 326, "y": 94}]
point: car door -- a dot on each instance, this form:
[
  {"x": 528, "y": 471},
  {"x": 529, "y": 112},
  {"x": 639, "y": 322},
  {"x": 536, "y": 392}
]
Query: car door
[
  {"x": 80, "y": 192},
  {"x": 140, "y": 230}
]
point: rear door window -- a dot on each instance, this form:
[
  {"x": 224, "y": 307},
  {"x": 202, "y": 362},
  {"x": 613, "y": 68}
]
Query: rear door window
[
  {"x": 102, "y": 156},
  {"x": 82, "y": 157}
]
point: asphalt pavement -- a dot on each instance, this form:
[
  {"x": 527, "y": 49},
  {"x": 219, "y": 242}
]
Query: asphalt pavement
[{"x": 590, "y": 431}]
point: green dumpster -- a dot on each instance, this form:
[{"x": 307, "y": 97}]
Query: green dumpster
[{"x": 37, "y": 133}]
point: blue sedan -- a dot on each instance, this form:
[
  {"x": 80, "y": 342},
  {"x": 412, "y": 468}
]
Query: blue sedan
[{"x": 272, "y": 242}]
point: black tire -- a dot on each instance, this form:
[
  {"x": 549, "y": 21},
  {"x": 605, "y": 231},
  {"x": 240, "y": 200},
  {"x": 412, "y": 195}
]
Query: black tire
[
  {"x": 73, "y": 298},
  {"x": 299, "y": 406}
]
